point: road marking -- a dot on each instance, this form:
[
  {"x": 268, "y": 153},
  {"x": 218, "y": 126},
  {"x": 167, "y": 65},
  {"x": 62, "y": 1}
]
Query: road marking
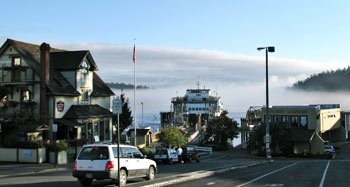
[
  {"x": 274, "y": 185},
  {"x": 267, "y": 174},
  {"x": 210, "y": 183},
  {"x": 324, "y": 174},
  {"x": 213, "y": 159}
]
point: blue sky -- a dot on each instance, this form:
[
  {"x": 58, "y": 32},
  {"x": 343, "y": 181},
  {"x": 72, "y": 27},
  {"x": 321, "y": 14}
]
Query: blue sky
[
  {"x": 313, "y": 30},
  {"x": 181, "y": 40}
]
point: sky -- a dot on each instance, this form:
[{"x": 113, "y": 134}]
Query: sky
[{"x": 183, "y": 41}]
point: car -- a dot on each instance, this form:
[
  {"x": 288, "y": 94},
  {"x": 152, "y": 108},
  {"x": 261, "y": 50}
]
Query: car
[
  {"x": 100, "y": 161},
  {"x": 329, "y": 149},
  {"x": 190, "y": 154},
  {"x": 166, "y": 155}
]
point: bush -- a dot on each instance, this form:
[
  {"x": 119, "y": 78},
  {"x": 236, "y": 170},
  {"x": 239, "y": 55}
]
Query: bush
[
  {"x": 148, "y": 151},
  {"x": 14, "y": 142},
  {"x": 31, "y": 144},
  {"x": 11, "y": 141},
  {"x": 77, "y": 142},
  {"x": 59, "y": 146}
]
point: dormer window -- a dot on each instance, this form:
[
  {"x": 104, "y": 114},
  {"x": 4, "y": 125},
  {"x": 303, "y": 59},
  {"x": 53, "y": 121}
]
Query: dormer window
[
  {"x": 16, "y": 61},
  {"x": 84, "y": 67}
]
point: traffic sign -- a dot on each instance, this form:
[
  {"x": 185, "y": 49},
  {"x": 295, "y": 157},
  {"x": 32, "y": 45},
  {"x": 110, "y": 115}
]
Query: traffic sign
[{"x": 117, "y": 106}]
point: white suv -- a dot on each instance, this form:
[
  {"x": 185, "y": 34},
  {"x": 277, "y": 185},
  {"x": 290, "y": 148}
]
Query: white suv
[
  {"x": 100, "y": 161},
  {"x": 166, "y": 155}
]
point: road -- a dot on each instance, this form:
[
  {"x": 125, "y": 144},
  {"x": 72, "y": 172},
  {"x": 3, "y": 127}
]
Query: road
[
  {"x": 278, "y": 173},
  {"x": 53, "y": 179},
  {"x": 282, "y": 173}
]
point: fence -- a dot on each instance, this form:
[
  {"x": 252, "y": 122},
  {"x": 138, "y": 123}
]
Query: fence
[{"x": 204, "y": 150}]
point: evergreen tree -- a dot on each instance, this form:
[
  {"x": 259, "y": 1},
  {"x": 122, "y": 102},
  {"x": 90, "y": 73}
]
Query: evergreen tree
[
  {"x": 125, "y": 117},
  {"x": 220, "y": 129}
]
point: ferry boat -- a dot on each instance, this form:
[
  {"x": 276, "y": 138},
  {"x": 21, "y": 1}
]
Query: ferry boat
[{"x": 196, "y": 102}]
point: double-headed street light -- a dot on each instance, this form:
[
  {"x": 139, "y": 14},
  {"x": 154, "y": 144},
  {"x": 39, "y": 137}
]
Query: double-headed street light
[{"x": 267, "y": 137}]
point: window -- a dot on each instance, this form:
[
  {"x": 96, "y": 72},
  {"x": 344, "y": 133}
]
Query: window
[
  {"x": 84, "y": 71},
  {"x": 85, "y": 97},
  {"x": 303, "y": 122},
  {"x": 94, "y": 153},
  {"x": 294, "y": 121},
  {"x": 16, "y": 61},
  {"x": 276, "y": 118},
  {"x": 26, "y": 96},
  {"x": 285, "y": 119},
  {"x": 115, "y": 151},
  {"x": 130, "y": 152}
]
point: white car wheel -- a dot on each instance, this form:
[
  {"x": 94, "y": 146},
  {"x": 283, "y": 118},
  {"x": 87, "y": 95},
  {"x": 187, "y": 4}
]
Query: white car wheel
[
  {"x": 123, "y": 177},
  {"x": 151, "y": 173}
]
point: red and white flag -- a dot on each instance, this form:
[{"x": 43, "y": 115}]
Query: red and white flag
[{"x": 134, "y": 54}]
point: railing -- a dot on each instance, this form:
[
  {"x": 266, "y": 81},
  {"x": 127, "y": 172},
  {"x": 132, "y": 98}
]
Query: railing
[
  {"x": 23, "y": 75},
  {"x": 204, "y": 150}
]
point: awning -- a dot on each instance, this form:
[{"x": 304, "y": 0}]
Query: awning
[
  {"x": 68, "y": 122},
  {"x": 87, "y": 111}
]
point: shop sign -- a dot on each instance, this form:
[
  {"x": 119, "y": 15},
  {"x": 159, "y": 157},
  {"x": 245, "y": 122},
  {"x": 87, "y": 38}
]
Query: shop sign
[{"x": 60, "y": 106}]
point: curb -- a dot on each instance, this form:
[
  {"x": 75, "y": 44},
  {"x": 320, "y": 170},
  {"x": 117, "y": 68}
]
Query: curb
[
  {"x": 32, "y": 172},
  {"x": 202, "y": 174}
]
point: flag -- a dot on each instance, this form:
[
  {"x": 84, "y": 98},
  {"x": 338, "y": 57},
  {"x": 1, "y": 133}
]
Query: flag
[{"x": 134, "y": 54}]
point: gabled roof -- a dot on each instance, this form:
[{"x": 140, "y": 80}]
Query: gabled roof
[
  {"x": 59, "y": 60},
  {"x": 87, "y": 111},
  {"x": 71, "y": 60},
  {"x": 100, "y": 87},
  {"x": 141, "y": 132},
  {"x": 30, "y": 52}
]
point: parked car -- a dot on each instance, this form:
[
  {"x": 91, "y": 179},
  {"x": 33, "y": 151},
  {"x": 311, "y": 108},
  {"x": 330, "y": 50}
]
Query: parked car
[
  {"x": 100, "y": 161},
  {"x": 329, "y": 149},
  {"x": 166, "y": 155},
  {"x": 190, "y": 154}
]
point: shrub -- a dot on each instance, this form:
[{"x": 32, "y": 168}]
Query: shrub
[
  {"x": 59, "y": 146},
  {"x": 148, "y": 151},
  {"x": 31, "y": 144},
  {"x": 11, "y": 141},
  {"x": 77, "y": 142}
]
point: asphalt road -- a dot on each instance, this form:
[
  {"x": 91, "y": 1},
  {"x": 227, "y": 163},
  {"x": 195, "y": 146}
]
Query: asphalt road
[
  {"x": 64, "y": 178},
  {"x": 283, "y": 173}
]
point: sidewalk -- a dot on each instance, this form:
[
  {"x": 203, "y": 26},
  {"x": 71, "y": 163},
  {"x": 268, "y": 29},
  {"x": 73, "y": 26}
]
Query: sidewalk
[{"x": 8, "y": 169}]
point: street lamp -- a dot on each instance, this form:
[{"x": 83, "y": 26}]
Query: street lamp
[
  {"x": 267, "y": 138},
  {"x": 142, "y": 113}
]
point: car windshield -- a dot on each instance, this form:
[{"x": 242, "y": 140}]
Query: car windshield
[
  {"x": 94, "y": 153},
  {"x": 161, "y": 151}
]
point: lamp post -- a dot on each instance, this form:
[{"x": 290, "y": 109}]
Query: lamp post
[
  {"x": 142, "y": 114},
  {"x": 267, "y": 138}
]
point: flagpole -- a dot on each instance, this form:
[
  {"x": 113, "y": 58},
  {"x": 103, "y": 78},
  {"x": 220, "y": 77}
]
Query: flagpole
[{"x": 134, "y": 59}]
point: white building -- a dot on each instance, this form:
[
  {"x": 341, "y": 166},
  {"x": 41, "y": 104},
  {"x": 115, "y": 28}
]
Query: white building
[{"x": 49, "y": 86}]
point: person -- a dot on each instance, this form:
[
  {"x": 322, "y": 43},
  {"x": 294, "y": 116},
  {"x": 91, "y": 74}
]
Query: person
[{"x": 179, "y": 154}]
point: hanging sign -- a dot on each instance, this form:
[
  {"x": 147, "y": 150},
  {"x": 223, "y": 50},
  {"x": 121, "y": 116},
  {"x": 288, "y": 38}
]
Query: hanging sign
[{"x": 60, "y": 106}]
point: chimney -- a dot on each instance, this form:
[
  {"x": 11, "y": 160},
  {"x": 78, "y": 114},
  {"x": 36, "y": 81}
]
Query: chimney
[{"x": 44, "y": 79}]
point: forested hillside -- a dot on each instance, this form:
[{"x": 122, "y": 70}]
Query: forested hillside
[
  {"x": 123, "y": 86},
  {"x": 329, "y": 81}
]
